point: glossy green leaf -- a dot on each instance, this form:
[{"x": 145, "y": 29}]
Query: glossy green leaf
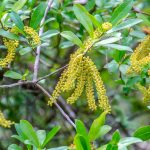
[
  {"x": 83, "y": 17},
  {"x": 80, "y": 128},
  {"x": 72, "y": 37},
  {"x": 50, "y": 135},
  {"x": 95, "y": 127},
  {"x": 126, "y": 24},
  {"x": 14, "y": 147},
  {"x": 116, "y": 137},
  {"x": 103, "y": 130},
  {"x": 41, "y": 134},
  {"x": 124, "y": 142},
  {"x": 8, "y": 35},
  {"x": 37, "y": 15},
  {"x": 28, "y": 130},
  {"x": 118, "y": 47},
  {"x": 25, "y": 50},
  {"x": 112, "y": 147},
  {"x": 108, "y": 41},
  {"x": 143, "y": 133},
  {"x": 80, "y": 143},
  {"x": 16, "y": 19},
  {"x": 59, "y": 148},
  {"x": 13, "y": 75},
  {"x": 121, "y": 11},
  {"x": 48, "y": 34},
  {"x": 2, "y": 7},
  {"x": 18, "y": 5}
]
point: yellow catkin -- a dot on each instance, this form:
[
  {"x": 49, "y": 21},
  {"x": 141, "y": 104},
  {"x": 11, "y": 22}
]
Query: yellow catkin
[
  {"x": 3, "y": 122},
  {"x": 90, "y": 93},
  {"x": 79, "y": 87},
  {"x": 73, "y": 70},
  {"x": 75, "y": 75},
  {"x": 140, "y": 57},
  {"x": 145, "y": 92},
  {"x": 32, "y": 34},
  {"x": 11, "y": 46},
  {"x": 101, "y": 91}
]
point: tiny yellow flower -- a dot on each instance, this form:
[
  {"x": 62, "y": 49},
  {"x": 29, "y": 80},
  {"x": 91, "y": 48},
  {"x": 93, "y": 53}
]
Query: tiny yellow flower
[{"x": 106, "y": 26}]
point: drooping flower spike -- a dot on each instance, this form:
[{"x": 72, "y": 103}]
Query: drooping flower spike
[
  {"x": 82, "y": 74},
  {"x": 140, "y": 57}
]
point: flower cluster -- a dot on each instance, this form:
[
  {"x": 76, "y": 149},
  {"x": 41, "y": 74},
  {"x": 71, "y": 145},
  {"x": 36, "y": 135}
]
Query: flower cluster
[
  {"x": 140, "y": 57},
  {"x": 32, "y": 34},
  {"x": 81, "y": 73},
  {"x": 146, "y": 93},
  {"x": 3, "y": 122},
  {"x": 11, "y": 45}
]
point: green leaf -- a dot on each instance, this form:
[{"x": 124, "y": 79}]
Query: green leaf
[
  {"x": 20, "y": 133},
  {"x": 72, "y": 37},
  {"x": 112, "y": 66},
  {"x": 25, "y": 50},
  {"x": 16, "y": 19},
  {"x": 108, "y": 41},
  {"x": 18, "y": 5},
  {"x": 14, "y": 147},
  {"x": 19, "y": 138},
  {"x": 8, "y": 35},
  {"x": 94, "y": 21},
  {"x": 28, "y": 130},
  {"x": 121, "y": 11},
  {"x": 13, "y": 75},
  {"x": 95, "y": 127},
  {"x": 103, "y": 147},
  {"x": 80, "y": 128},
  {"x": 124, "y": 142},
  {"x": 116, "y": 137},
  {"x": 83, "y": 17},
  {"x": 50, "y": 135},
  {"x": 112, "y": 147},
  {"x": 59, "y": 148},
  {"x": 143, "y": 133},
  {"x": 126, "y": 24},
  {"x": 48, "y": 34},
  {"x": 41, "y": 134},
  {"x": 118, "y": 47},
  {"x": 80, "y": 142},
  {"x": 103, "y": 130},
  {"x": 2, "y": 7},
  {"x": 37, "y": 15}
]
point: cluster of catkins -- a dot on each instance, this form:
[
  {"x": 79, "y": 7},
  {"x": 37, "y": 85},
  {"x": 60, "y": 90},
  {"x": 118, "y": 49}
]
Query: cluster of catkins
[
  {"x": 3, "y": 122},
  {"x": 81, "y": 74},
  {"x": 139, "y": 59},
  {"x": 11, "y": 45},
  {"x": 140, "y": 56}
]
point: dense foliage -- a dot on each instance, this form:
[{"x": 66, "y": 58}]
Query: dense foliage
[{"x": 74, "y": 74}]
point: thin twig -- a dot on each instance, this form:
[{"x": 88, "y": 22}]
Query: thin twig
[
  {"x": 139, "y": 11},
  {"x": 48, "y": 75},
  {"x": 57, "y": 105},
  {"x": 38, "y": 51},
  {"x": 16, "y": 84}
]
